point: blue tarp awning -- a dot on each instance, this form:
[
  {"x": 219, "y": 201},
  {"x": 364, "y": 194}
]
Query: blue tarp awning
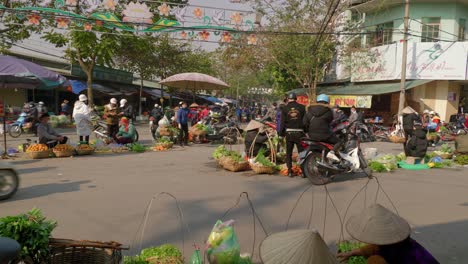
[
  {"x": 157, "y": 93},
  {"x": 79, "y": 86},
  {"x": 211, "y": 99}
]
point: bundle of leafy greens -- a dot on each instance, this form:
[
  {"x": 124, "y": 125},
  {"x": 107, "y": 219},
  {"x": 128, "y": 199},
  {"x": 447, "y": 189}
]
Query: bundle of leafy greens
[
  {"x": 262, "y": 160},
  {"x": 201, "y": 127},
  {"x": 136, "y": 147},
  {"x": 461, "y": 160},
  {"x": 220, "y": 152},
  {"x": 347, "y": 246},
  {"x": 164, "y": 140},
  {"x": 165, "y": 254},
  {"x": 32, "y": 231}
]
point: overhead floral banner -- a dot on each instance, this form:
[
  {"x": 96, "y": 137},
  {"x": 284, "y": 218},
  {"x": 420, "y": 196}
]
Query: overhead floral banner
[{"x": 138, "y": 17}]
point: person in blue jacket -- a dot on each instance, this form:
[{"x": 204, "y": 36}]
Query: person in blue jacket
[{"x": 182, "y": 120}]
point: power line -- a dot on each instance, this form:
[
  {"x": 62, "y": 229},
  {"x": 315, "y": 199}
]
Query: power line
[{"x": 433, "y": 27}]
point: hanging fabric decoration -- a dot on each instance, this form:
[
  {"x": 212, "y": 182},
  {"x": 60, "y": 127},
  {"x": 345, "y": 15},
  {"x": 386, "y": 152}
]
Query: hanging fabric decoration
[
  {"x": 62, "y": 22},
  {"x": 226, "y": 37},
  {"x": 137, "y": 13},
  {"x": 87, "y": 27},
  {"x": 180, "y": 13},
  {"x": 198, "y": 13},
  {"x": 110, "y": 4},
  {"x": 34, "y": 19},
  {"x": 183, "y": 34},
  {"x": 204, "y": 35},
  {"x": 59, "y": 4},
  {"x": 236, "y": 18},
  {"x": 71, "y": 2},
  {"x": 217, "y": 18},
  {"x": 164, "y": 10},
  {"x": 91, "y": 5},
  {"x": 252, "y": 39}
]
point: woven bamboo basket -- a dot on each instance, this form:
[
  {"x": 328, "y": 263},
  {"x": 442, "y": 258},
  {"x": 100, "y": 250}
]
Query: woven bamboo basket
[
  {"x": 165, "y": 132},
  {"x": 260, "y": 169},
  {"x": 83, "y": 152},
  {"x": 221, "y": 161},
  {"x": 397, "y": 139},
  {"x": 68, "y": 251},
  {"x": 63, "y": 153},
  {"x": 234, "y": 166},
  {"x": 39, "y": 154}
]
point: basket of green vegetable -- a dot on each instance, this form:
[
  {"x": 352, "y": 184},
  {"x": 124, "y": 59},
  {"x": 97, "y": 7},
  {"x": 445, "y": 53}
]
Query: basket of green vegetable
[
  {"x": 220, "y": 152},
  {"x": 234, "y": 162},
  {"x": 445, "y": 152},
  {"x": 461, "y": 160},
  {"x": 138, "y": 148},
  {"x": 262, "y": 165},
  {"x": 199, "y": 130},
  {"x": 165, "y": 143}
]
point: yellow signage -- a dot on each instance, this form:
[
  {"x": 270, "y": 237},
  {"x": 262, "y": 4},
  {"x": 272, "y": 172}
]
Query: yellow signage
[{"x": 358, "y": 101}]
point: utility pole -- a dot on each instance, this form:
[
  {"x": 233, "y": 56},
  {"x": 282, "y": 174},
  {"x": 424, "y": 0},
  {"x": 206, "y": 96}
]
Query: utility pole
[{"x": 404, "y": 59}]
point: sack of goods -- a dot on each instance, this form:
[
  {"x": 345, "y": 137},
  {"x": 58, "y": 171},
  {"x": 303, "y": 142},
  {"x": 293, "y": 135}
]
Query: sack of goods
[
  {"x": 461, "y": 144},
  {"x": 164, "y": 122}
]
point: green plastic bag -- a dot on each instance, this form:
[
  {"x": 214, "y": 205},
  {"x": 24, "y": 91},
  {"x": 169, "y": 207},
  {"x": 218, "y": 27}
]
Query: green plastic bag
[
  {"x": 222, "y": 245},
  {"x": 196, "y": 257}
]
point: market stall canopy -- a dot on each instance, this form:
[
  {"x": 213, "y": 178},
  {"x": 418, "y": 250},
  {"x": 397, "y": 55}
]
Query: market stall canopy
[
  {"x": 194, "y": 81},
  {"x": 408, "y": 110},
  {"x": 296, "y": 247},
  {"x": 211, "y": 99},
  {"x": 157, "y": 93},
  {"x": 228, "y": 101},
  {"x": 18, "y": 73},
  {"x": 79, "y": 86},
  {"x": 362, "y": 88}
]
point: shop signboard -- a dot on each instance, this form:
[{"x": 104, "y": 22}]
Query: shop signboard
[
  {"x": 425, "y": 61},
  {"x": 303, "y": 99},
  {"x": 104, "y": 74},
  {"x": 348, "y": 101},
  {"x": 377, "y": 64}
]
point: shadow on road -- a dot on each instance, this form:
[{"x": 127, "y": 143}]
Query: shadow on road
[
  {"x": 47, "y": 189},
  {"x": 33, "y": 170}
]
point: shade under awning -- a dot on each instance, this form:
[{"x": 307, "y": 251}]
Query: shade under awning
[
  {"x": 211, "y": 99},
  {"x": 363, "y": 88},
  {"x": 157, "y": 93}
]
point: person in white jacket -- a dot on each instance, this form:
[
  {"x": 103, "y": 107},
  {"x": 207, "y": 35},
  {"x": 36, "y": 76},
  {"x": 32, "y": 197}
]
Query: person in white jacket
[{"x": 82, "y": 116}]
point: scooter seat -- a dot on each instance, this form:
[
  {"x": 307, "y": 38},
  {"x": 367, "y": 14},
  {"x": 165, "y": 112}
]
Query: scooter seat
[{"x": 9, "y": 249}]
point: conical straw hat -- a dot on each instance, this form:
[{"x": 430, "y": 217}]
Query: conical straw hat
[
  {"x": 254, "y": 125},
  {"x": 408, "y": 110},
  {"x": 378, "y": 226},
  {"x": 296, "y": 247}
]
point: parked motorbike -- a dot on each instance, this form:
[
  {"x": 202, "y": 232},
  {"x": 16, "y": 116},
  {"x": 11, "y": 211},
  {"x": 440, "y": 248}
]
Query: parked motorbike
[
  {"x": 320, "y": 164},
  {"x": 9, "y": 250},
  {"x": 362, "y": 130},
  {"x": 228, "y": 130},
  {"x": 9, "y": 181}
]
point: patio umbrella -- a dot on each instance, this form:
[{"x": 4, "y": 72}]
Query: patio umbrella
[
  {"x": 194, "y": 81},
  {"x": 18, "y": 73}
]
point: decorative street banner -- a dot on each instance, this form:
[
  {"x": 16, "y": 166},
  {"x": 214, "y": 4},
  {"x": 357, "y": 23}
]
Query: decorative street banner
[
  {"x": 350, "y": 100},
  {"x": 303, "y": 99},
  {"x": 425, "y": 61}
]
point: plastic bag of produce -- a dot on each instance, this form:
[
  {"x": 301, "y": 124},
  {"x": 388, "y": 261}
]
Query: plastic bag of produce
[
  {"x": 164, "y": 122},
  {"x": 196, "y": 257},
  {"x": 222, "y": 245}
]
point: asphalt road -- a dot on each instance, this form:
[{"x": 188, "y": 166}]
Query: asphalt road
[{"x": 104, "y": 197}]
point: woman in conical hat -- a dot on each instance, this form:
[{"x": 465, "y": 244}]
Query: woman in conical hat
[
  {"x": 388, "y": 238},
  {"x": 296, "y": 247}
]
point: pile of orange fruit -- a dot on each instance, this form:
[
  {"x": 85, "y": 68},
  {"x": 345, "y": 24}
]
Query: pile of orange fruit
[
  {"x": 37, "y": 148},
  {"x": 63, "y": 147}
]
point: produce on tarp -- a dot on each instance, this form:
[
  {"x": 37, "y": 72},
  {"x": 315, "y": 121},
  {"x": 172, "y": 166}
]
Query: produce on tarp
[
  {"x": 461, "y": 160},
  {"x": 384, "y": 163},
  {"x": 138, "y": 148},
  {"x": 222, "y": 245}
]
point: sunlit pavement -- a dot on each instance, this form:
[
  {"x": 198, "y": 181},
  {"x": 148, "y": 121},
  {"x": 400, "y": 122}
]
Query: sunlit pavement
[{"x": 103, "y": 197}]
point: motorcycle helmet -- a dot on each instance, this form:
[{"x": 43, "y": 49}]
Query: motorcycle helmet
[
  {"x": 123, "y": 102},
  {"x": 41, "y": 103},
  {"x": 292, "y": 96},
  {"x": 156, "y": 105},
  {"x": 323, "y": 98},
  {"x": 113, "y": 101},
  {"x": 82, "y": 98}
]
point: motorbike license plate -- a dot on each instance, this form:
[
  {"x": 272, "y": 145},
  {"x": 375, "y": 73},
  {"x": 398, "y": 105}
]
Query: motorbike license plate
[{"x": 301, "y": 157}]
